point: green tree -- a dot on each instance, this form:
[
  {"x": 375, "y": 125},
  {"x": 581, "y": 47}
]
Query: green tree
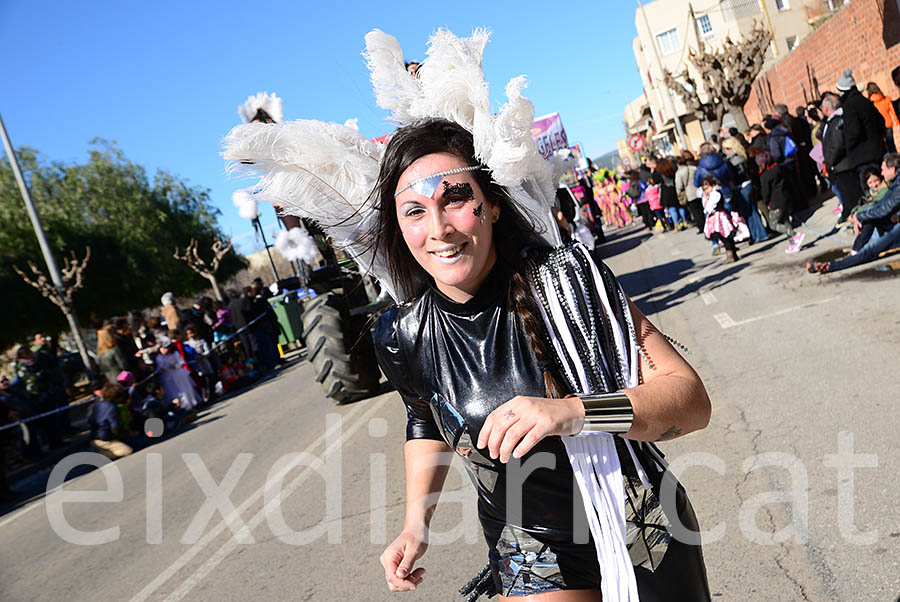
[{"x": 130, "y": 222}]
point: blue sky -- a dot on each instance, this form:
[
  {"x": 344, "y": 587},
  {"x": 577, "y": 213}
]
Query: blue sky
[{"x": 163, "y": 79}]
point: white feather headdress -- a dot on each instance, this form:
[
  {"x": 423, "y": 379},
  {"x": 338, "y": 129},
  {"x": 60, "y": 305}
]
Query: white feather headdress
[
  {"x": 326, "y": 172},
  {"x": 269, "y": 103},
  {"x": 451, "y": 85}
]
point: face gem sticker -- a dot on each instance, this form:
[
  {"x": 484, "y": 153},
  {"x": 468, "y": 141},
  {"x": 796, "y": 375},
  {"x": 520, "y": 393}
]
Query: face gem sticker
[
  {"x": 427, "y": 186},
  {"x": 479, "y": 210},
  {"x": 461, "y": 191}
]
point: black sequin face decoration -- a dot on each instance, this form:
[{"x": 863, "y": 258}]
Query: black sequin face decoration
[
  {"x": 479, "y": 210},
  {"x": 460, "y": 191}
]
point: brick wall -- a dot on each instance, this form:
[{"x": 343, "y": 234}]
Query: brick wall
[{"x": 864, "y": 36}]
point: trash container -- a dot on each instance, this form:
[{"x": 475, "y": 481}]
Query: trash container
[{"x": 288, "y": 308}]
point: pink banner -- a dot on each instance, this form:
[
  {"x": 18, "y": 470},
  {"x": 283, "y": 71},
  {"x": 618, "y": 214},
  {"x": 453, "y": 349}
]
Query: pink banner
[{"x": 549, "y": 134}]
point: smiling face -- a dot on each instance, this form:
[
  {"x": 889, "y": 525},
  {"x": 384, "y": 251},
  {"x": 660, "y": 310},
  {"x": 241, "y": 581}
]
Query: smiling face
[{"x": 450, "y": 233}]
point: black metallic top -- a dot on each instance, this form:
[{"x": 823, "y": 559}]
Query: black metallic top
[{"x": 454, "y": 363}]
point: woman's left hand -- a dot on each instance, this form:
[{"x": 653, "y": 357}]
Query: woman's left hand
[{"x": 517, "y": 426}]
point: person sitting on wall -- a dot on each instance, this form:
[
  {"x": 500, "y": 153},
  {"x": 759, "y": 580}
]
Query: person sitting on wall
[
  {"x": 877, "y": 189},
  {"x": 887, "y": 208}
]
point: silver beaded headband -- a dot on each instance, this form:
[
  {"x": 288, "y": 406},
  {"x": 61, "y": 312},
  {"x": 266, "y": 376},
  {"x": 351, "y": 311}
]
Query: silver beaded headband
[{"x": 427, "y": 185}]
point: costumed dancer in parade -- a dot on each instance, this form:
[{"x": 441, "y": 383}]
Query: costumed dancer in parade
[
  {"x": 621, "y": 215},
  {"x": 506, "y": 346},
  {"x": 601, "y": 196}
]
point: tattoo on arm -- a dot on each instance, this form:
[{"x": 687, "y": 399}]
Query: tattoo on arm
[{"x": 670, "y": 433}]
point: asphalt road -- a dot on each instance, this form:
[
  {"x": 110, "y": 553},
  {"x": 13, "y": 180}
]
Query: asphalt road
[{"x": 791, "y": 361}]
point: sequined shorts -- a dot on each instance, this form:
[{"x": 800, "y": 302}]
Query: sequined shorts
[{"x": 522, "y": 565}]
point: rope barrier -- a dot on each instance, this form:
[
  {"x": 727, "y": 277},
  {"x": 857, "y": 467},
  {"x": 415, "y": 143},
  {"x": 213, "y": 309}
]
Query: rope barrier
[
  {"x": 93, "y": 398},
  {"x": 47, "y": 413}
]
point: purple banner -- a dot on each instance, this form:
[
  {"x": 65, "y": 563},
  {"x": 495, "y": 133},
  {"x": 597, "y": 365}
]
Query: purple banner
[{"x": 549, "y": 134}]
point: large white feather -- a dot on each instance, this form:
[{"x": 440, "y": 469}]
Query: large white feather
[
  {"x": 395, "y": 88},
  {"x": 321, "y": 171}
]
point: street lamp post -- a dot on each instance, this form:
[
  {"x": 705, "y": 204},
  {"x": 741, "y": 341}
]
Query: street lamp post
[
  {"x": 45, "y": 247},
  {"x": 258, "y": 226}
]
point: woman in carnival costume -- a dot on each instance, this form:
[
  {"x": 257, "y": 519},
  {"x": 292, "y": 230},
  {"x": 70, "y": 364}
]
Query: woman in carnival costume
[
  {"x": 601, "y": 196},
  {"x": 508, "y": 348},
  {"x": 621, "y": 215}
]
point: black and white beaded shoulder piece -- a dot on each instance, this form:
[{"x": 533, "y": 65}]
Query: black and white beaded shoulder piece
[
  {"x": 589, "y": 309},
  {"x": 582, "y": 314}
]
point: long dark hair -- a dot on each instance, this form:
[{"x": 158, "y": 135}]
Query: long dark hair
[{"x": 514, "y": 234}]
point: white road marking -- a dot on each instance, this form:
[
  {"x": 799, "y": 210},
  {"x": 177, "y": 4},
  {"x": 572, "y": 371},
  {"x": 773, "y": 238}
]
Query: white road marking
[
  {"x": 725, "y": 321},
  {"x": 708, "y": 297},
  {"x": 213, "y": 533},
  {"x": 232, "y": 543}
]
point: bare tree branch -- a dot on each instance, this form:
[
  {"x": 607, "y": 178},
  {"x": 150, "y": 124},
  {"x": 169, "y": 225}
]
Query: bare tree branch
[
  {"x": 207, "y": 269},
  {"x": 72, "y": 277},
  {"x": 726, "y": 76}
]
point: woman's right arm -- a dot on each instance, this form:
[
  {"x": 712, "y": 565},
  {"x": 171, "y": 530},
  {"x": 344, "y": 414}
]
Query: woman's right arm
[
  {"x": 427, "y": 463},
  {"x": 426, "y": 455}
]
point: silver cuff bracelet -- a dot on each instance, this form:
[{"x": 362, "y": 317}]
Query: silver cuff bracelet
[{"x": 607, "y": 413}]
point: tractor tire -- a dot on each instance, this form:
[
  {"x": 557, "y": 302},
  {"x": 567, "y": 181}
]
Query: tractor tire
[{"x": 340, "y": 349}]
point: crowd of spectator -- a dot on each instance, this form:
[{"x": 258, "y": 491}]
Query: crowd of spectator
[
  {"x": 161, "y": 366},
  {"x": 753, "y": 185}
]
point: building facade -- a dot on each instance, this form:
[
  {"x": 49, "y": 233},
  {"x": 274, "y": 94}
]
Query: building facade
[{"x": 667, "y": 32}]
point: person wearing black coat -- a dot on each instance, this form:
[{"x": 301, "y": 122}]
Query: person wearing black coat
[
  {"x": 801, "y": 134},
  {"x": 256, "y": 307},
  {"x": 776, "y": 193},
  {"x": 776, "y": 144},
  {"x": 837, "y": 160},
  {"x": 758, "y": 139},
  {"x": 864, "y": 134}
]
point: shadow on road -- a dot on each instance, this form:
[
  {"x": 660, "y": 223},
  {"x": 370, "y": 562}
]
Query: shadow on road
[
  {"x": 653, "y": 289},
  {"x": 620, "y": 241},
  {"x": 643, "y": 281}
]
